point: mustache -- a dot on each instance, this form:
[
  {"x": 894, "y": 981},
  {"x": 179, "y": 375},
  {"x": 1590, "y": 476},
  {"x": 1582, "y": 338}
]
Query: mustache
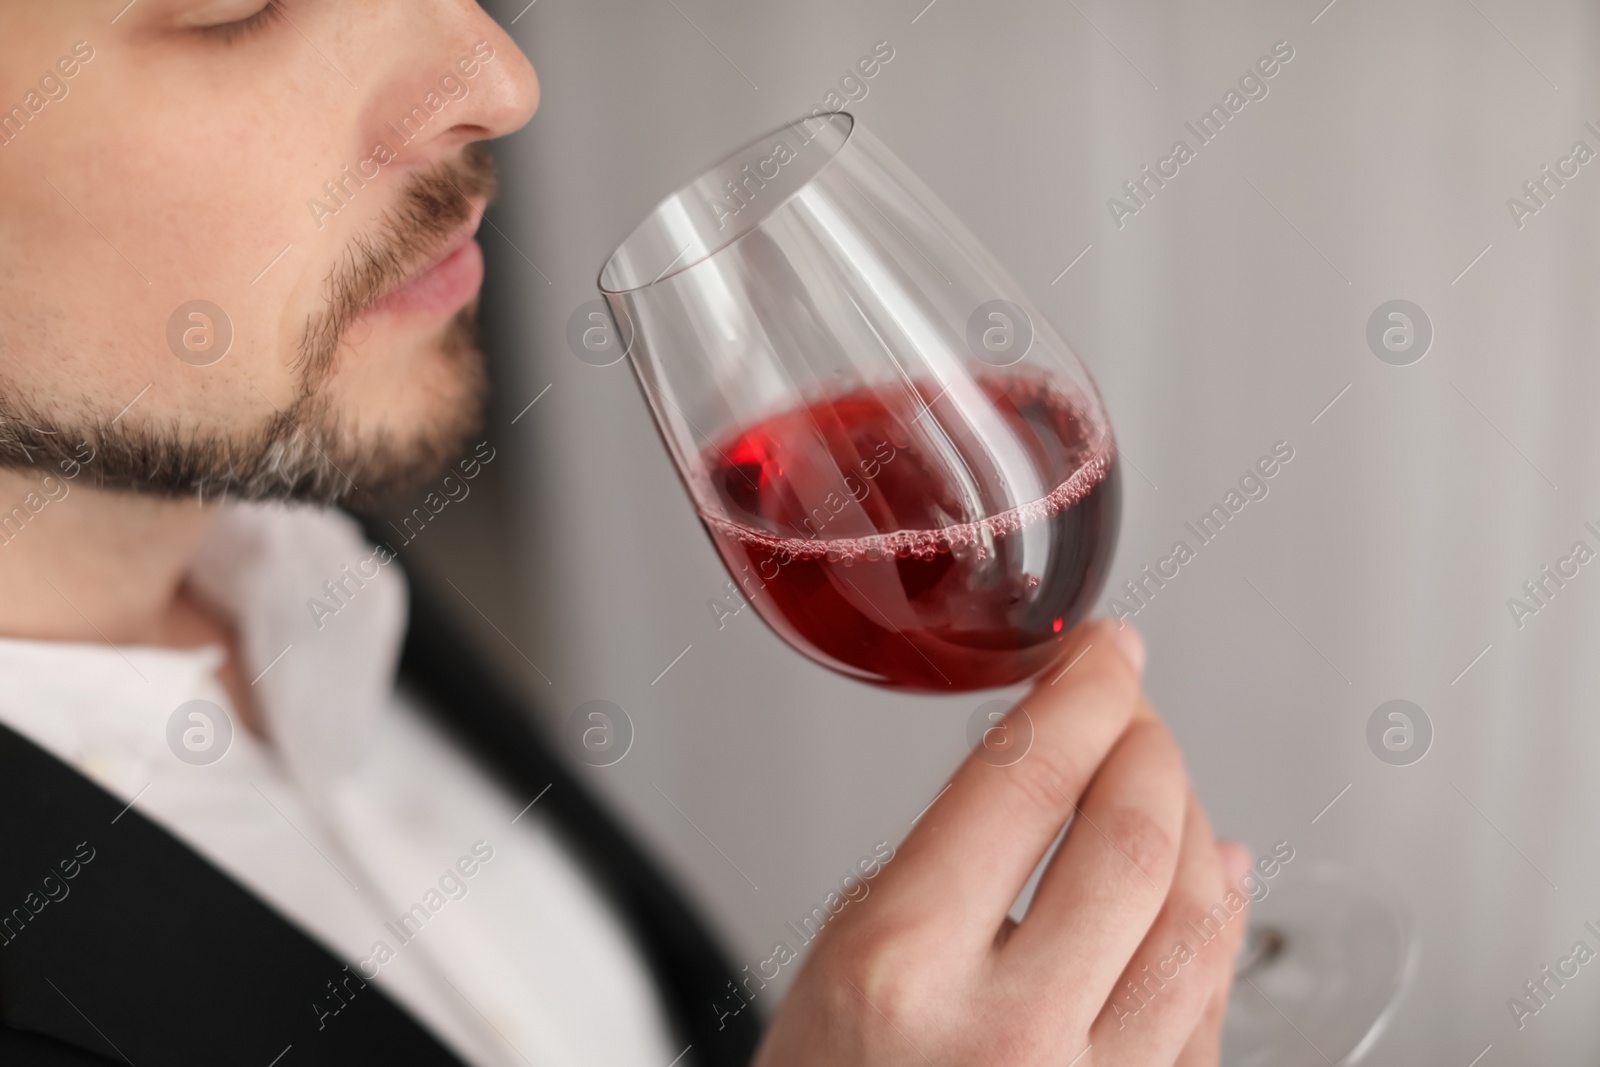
[
  {"x": 303, "y": 451},
  {"x": 432, "y": 209}
]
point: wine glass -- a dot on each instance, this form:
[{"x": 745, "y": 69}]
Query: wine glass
[
  {"x": 906, "y": 470},
  {"x": 908, "y": 473},
  {"x": 1325, "y": 961}
]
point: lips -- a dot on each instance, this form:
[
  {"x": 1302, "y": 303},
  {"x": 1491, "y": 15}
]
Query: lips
[{"x": 441, "y": 288}]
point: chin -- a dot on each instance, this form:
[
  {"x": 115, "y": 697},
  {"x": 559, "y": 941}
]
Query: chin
[{"x": 407, "y": 402}]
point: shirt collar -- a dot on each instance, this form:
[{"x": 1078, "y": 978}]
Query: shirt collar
[{"x": 319, "y": 615}]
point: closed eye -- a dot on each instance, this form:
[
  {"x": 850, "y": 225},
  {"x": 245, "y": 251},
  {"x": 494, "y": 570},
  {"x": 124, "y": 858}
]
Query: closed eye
[{"x": 229, "y": 32}]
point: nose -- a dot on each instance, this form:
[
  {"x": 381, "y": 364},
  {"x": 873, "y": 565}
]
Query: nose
[{"x": 452, "y": 76}]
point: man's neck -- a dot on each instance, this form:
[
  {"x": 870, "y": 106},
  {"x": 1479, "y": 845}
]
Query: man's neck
[{"x": 84, "y": 564}]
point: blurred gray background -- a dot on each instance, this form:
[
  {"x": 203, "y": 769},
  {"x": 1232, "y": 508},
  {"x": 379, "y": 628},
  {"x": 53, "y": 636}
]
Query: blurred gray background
[{"x": 1224, "y": 317}]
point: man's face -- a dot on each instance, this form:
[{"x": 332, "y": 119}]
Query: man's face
[{"x": 303, "y": 175}]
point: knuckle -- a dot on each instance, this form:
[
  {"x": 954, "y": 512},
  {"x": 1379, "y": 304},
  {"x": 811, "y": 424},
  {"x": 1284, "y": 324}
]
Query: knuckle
[
  {"x": 883, "y": 998},
  {"x": 877, "y": 974},
  {"x": 1147, "y": 844},
  {"x": 874, "y": 986},
  {"x": 1045, "y": 783}
]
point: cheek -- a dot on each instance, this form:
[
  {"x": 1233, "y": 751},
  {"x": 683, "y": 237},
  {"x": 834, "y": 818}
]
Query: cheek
[{"x": 202, "y": 208}]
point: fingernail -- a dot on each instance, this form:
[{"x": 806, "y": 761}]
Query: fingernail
[
  {"x": 1129, "y": 643},
  {"x": 1235, "y": 861}
]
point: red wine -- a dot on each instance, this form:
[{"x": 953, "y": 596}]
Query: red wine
[{"x": 942, "y": 548}]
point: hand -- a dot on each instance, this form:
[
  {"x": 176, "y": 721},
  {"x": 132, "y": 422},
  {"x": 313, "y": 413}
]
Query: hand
[{"x": 927, "y": 970}]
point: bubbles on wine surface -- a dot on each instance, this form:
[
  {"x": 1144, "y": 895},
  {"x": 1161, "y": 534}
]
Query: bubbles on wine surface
[
  {"x": 973, "y": 538},
  {"x": 756, "y": 459}
]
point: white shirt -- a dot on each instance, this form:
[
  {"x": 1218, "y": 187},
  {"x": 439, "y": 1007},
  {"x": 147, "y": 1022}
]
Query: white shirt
[{"x": 358, "y": 809}]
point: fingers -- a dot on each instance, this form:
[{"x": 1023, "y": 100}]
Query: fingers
[
  {"x": 972, "y": 851},
  {"x": 1204, "y": 1048},
  {"x": 1185, "y": 962},
  {"x": 1205, "y": 1042},
  {"x": 1106, "y": 883}
]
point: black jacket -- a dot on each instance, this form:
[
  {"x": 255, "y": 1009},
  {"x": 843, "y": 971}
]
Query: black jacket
[{"x": 119, "y": 944}]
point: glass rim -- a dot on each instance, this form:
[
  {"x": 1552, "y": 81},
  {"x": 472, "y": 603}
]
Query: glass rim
[{"x": 734, "y": 238}]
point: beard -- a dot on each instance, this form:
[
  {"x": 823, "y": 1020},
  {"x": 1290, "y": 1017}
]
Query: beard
[{"x": 304, "y": 451}]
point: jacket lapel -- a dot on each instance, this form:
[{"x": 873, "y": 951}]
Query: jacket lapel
[{"x": 117, "y": 940}]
